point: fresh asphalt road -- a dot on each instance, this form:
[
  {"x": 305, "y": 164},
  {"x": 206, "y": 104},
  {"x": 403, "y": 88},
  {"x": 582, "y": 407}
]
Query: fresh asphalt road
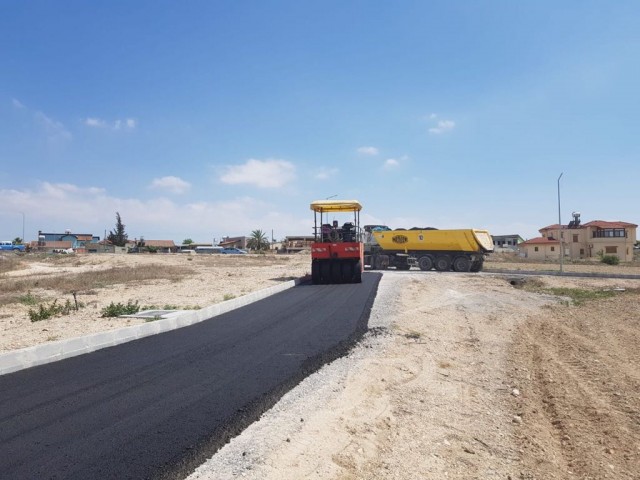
[{"x": 159, "y": 406}]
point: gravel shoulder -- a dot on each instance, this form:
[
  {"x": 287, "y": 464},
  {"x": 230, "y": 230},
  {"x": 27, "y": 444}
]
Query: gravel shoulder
[{"x": 460, "y": 376}]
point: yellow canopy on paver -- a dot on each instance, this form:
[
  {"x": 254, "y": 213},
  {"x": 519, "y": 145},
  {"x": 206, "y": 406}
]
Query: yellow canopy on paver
[{"x": 324, "y": 206}]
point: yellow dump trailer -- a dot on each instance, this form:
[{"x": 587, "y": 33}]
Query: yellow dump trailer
[{"x": 460, "y": 250}]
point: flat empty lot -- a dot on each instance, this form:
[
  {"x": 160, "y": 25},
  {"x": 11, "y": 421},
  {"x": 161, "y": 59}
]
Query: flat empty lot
[{"x": 463, "y": 375}]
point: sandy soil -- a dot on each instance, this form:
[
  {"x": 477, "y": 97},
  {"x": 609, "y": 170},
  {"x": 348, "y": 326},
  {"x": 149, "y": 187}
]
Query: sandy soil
[{"x": 463, "y": 376}]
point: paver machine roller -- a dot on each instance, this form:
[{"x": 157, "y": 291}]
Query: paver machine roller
[{"x": 337, "y": 250}]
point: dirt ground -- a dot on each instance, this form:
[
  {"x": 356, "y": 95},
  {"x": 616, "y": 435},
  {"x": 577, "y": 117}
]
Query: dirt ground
[{"x": 471, "y": 377}]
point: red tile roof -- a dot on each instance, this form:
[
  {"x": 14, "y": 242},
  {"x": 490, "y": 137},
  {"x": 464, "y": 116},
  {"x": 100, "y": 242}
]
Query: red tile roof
[
  {"x": 594, "y": 223},
  {"x": 160, "y": 243},
  {"x": 605, "y": 224},
  {"x": 541, "y": 241}
]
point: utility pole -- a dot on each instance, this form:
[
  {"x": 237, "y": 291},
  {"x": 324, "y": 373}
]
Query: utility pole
[
  {"x": 23, "y": 228},
  {"x": 560, "y": 225}
]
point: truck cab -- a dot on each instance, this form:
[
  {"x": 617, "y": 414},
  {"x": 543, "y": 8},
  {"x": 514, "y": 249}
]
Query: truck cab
[{"x": 6, "y": 245}]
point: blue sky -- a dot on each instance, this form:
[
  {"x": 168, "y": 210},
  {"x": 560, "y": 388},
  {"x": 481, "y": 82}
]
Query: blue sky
[{"x": 202, "y": 119}]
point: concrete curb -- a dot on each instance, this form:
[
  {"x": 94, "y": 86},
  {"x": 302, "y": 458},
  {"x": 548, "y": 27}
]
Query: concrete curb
[{"x": 54, "y": 351}]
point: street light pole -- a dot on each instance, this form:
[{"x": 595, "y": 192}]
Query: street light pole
[
  {"x": 22, "y": 227},
  {"x": 560, "y": 225}
]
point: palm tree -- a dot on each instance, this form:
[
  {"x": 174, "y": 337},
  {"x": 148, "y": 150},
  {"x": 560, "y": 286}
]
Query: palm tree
[{"x": 258, "y": 240}]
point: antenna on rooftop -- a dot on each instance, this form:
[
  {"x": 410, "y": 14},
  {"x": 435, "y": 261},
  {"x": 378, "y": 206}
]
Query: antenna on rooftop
[{"x": 576, "y": 220}]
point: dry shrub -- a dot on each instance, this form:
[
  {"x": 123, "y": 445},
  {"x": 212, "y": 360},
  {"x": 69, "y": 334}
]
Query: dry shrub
[
  {"x": 532, "y": 284},
  {"x": 9, "y": 263}
]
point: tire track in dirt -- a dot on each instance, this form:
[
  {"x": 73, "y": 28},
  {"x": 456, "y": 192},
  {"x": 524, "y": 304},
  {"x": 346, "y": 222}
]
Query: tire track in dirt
[
  {"x": 446, "y": 390},
  {"x": 578, "y": 367}
]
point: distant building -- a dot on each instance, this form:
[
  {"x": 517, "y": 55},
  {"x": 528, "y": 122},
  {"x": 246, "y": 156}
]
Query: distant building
[
  {"x": 507, "y": 241},
  {"x": 541, "y": 248},
  {"x": 105, "y": 246},
  {"x": 80, "y": 242},
  {"x": 586, "y": 241},
  {"x": 162, "y": 246},
  {"x": 231, "y": 242},
  {"x": 295, "y": 244}
]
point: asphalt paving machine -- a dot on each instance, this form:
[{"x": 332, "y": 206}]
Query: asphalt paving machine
[{"x": 337, "y": 250}]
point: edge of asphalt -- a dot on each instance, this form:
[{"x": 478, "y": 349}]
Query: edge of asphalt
[
  {"x": 627, "y": 276},
  {"x": 52, "y": 352}
]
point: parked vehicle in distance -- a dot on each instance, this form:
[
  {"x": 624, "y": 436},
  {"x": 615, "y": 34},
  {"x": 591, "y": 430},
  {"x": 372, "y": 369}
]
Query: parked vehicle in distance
[
  {"x": 233, "y": 251},
  {"x": 209, "y": 250},
  {"x": 64, "y": 251},
  {"x": 9, "y": 246},
  {"x": 187, "y": 251}
]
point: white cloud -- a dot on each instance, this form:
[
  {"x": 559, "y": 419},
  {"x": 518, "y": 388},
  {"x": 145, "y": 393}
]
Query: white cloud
[
  {"x": 66, "y": 190},
  {"x": 269, "y": 173},
  {"x": 54, "y": 130},
  {"x": 171, "y": 184},
  {"x": 95, "y": 122},
  {"x": 326, "y": 173},
  {"x": 56, "y": 207},
  {"x": 433, "y": 116},
  {"x": 391, "y": 163},
  {"x": 442, "y": 127},
  {"x": 126, "y": 124},
  {"x": 368, "y": 151}
]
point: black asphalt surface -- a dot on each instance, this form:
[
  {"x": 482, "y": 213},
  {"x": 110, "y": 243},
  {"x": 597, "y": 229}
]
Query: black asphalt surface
[{"x": 159, "y": 406}]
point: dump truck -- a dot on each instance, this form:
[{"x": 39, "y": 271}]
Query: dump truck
[
  {"x": 427, "y": 248},
  {"x": 337, "y": 250}
]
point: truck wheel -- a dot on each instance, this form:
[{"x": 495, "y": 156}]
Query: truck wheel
[
  {"x": 381, "y": 261},
  {"x": 357, "y": 272},
  {"x": 336, "y": 272},
  {"x": 443, "y": 263},
  {"x": 325, "y": 272},
  {"x": 425, "y": 263},
  {"x": 315, "y": 273},
  {"x": 476, "y": 266},
  {"x": 462, "y": 264},
  {"x": 347, "y": 272}
]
